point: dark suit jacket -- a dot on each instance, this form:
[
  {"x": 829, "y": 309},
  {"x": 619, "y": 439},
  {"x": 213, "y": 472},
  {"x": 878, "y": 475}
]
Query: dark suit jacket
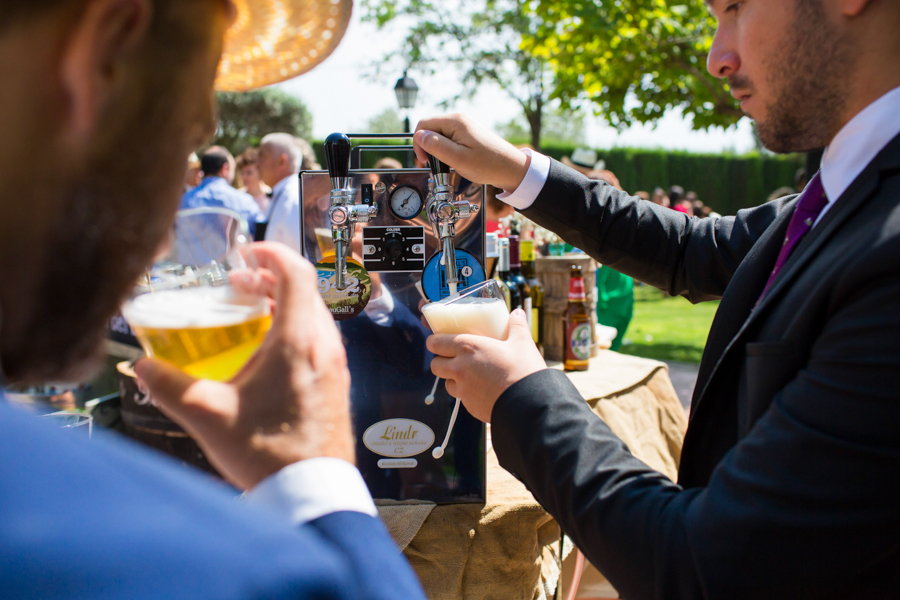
[
  {"x": 105, "y": 519},
  {"x": 789, "y": 485}
]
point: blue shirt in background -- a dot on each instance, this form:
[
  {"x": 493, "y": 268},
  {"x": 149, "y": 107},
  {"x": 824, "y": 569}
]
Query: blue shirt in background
[{"x": 215, "y": 191}]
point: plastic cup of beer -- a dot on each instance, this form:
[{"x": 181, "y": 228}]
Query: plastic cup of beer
[
  {"x": 186, "y": 312},
  {"x": 477, "y": 310}
]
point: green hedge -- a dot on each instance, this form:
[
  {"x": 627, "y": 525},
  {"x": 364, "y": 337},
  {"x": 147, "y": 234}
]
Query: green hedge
[{"x": 724, "y": 182}]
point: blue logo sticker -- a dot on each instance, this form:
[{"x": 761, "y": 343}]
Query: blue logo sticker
[{"x": 434, "y": 278}]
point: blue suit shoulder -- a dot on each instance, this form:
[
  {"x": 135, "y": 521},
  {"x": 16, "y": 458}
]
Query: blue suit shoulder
[{"x": 107, "y": 519}]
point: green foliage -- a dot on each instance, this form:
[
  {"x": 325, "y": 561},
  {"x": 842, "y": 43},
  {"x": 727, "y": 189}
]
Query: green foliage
[
  {"x": 246, "y": 117},
  {"x": 632, "y": 59},
  {"x": 481, "y": 39},
  {"x": 726, "y": 183},
  {"x": 386, "y": 122},
  {"x": 559, "y": 127},
  {"x": 666, "y": 328}
]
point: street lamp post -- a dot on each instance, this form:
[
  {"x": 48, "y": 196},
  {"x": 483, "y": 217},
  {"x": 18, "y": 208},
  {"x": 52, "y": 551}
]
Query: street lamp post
[{"x": 406, "y": 90}]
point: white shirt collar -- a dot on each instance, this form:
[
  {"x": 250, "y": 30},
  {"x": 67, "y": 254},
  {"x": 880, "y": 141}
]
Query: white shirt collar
[
  {"x": 857, "y": 144},
  {"x": 281, "y": 185}
]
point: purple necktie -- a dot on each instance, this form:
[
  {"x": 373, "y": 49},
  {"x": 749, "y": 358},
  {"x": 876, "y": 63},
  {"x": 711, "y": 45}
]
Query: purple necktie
[{"x": 806, "y": 211}]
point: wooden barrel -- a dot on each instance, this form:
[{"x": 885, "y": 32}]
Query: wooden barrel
[
  {"x": 554, "y": 272},
  {"x": 144, "y": 423}
]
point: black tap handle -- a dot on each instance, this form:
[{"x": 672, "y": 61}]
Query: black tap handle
[
  {"x": 437, "y": 166},
  {"x": 337, "y": 155}
]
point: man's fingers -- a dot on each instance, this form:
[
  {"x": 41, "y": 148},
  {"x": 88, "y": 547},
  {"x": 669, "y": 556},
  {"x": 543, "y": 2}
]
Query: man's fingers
[
  {"x": 177, "y": 394},
  {"x": 442, "y": 367},
  {"x": 442, "y": 148},
  {"x": 518, "y": 326},
  {"x": 443, "y": 344},
  {"x": 296, "y": 294}
]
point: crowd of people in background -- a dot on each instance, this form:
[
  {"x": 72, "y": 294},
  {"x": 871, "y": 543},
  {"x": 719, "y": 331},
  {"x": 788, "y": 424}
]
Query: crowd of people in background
[{"x": 260, "y": 184}]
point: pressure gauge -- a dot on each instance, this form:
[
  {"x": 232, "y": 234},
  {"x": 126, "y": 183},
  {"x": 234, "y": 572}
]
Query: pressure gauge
[{"x": 406, "y": 202}]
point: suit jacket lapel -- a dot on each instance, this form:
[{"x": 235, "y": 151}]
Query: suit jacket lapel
[
  {"x": 740, "y": 297},
  {"x": 767, "y": 248}
]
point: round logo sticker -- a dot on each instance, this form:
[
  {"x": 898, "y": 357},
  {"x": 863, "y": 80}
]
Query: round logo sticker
[
  {"x": 434, "y": 278},
  {"x": 398, "y": 438},
  {"x": 349, "y": 302},
  {"x": 581, "y": 341}
]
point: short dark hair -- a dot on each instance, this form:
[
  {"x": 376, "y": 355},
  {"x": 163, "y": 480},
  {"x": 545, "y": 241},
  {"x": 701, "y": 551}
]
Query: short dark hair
[
  {"x": 675, "y": 192},
  {"x": 213, "y": 160},
  {"x": 247, "y": 158}
]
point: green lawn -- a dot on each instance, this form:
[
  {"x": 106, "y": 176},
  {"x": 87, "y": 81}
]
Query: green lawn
[{"x": 667, "y": 328}]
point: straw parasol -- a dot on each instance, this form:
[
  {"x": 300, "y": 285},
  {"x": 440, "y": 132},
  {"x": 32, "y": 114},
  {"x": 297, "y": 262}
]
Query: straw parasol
[{"x": 275, "y": 40}]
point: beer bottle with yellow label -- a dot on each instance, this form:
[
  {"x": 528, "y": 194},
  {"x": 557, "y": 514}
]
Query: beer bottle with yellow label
[
  {"x": 577, "y": 325},
  {"x": 526, "y": 252}
]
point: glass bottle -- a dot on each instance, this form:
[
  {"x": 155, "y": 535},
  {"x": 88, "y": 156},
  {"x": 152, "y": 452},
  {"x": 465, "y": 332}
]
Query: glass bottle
[
  {"x": 517, "y": 280},
  {"x": 577, "y": 325},
  {"x": 536, "y": 289},
  {"x": 502, "y": 271}
]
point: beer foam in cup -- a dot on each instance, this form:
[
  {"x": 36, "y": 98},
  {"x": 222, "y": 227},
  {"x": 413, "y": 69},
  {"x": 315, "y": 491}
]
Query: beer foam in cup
[
  {"x": 190, "y": 308},
  {"x": 478, "y": 316}
]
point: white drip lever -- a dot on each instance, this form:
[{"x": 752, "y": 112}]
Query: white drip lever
[{"x": 439, "y": 451}]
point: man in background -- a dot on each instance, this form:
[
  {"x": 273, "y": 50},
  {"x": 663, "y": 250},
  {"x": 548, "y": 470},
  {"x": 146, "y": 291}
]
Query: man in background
[
  {"x": 102, "y": 101},
  {"x": 219, "y": 168},
  {"x": 280, "y": 160}
]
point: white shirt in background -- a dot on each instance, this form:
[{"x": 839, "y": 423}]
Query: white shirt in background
[{"x": 284, "y": 214}]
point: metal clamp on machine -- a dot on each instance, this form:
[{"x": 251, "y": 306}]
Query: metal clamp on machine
[{"x": 444, "y": 213}]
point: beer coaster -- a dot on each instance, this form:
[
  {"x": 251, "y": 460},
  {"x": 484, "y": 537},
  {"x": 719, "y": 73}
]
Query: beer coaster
[
  {"x": 434, "y": 278},
  {"x": 347, "y": 303}
]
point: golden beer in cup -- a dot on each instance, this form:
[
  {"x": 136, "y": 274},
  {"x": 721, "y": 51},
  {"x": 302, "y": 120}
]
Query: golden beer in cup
[
  {"x": 207, "y": 332},
  {"x": 186, "y": 313}
]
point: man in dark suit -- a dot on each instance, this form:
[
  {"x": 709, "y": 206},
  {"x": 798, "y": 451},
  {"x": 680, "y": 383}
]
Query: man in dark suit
[
  {"x": 789, "y": 485},
  {"x": 100, "y": 103}
]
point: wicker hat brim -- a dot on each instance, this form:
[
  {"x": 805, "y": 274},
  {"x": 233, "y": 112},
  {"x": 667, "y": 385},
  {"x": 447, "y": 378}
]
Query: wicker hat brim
[{"x": 275, "y": 40}]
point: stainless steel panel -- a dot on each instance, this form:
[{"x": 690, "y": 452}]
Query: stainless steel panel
[{"x": 389, "y": 364}]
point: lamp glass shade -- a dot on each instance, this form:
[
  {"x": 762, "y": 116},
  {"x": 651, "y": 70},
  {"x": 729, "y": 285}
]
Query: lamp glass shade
[{"x": 406, "y": 90}]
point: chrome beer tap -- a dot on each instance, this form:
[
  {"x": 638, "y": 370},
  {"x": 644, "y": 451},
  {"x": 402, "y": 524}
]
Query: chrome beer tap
[
  {"x": 443, "y": 213},
  {"x": 344, "y": 213}
]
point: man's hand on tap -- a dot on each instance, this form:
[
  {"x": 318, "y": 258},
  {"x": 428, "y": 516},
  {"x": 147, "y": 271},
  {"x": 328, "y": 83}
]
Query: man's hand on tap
[
  {"x": 476, "y": 153},
  {"x": 291, "y": 402}
]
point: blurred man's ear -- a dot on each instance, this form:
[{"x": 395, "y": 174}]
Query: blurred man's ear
[
  {"x": 104, "y": 36},
  {"x": 852, "y": 8}
]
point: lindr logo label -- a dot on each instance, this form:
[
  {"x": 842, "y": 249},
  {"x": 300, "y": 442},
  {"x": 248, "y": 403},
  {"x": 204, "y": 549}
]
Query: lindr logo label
[{"x": 398, "y": 438}]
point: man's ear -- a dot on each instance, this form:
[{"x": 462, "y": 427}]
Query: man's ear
[
  {"x": 853, "y": 8},
  {"x": 104, "y": 36}
]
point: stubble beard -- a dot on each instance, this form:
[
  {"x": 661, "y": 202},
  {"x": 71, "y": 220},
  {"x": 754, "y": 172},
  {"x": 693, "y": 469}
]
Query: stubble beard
[
  {"x": 112, "y": 218},
  {"x": 810, "y": 78}
]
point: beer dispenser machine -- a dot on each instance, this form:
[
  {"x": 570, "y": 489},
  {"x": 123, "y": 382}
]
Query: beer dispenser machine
[{"x": 380, "y": 239}]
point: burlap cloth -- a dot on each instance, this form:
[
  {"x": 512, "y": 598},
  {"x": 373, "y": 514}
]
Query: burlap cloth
[{"x": 508, "y": 548}]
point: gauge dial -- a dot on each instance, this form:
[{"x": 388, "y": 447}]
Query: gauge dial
[{"x": 406, "y": 202}]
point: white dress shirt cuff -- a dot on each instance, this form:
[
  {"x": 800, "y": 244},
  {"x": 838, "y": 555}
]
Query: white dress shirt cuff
[
  {"x": 527, "y": 192},
  {"x": 313, "y": 488},
  {"x": 381, "y": 309}
]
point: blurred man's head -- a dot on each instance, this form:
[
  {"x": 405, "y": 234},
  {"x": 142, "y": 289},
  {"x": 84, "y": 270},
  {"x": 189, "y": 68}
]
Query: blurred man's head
[
  {"x": 803, "y": 68},
  {"x": 218, "y": 162},
  {"x": 676, "y": 192},
  {"x": 280, "y": 156},
  {"x": 112, "y": 95}
]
